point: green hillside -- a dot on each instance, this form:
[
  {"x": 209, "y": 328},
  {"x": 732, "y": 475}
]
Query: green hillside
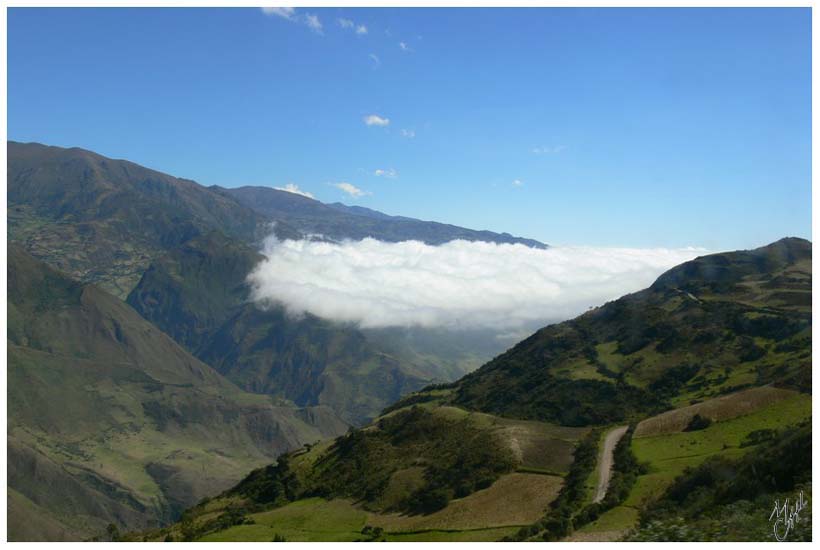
[
  {"x": 711, "y": 326},
  {"x": 710, "y": 368},
  {"x": 420, "y": 471},
  {"x": 110, "y": 421}
]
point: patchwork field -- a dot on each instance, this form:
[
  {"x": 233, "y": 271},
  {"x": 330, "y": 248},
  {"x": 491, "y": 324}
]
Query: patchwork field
[
  {"x": 487, "y": 515},
  {"x": 341, "y": 521},
  {"x": 542, "y": 454}
]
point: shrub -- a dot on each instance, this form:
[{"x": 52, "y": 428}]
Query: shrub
[{"x": 698, "y": 422}]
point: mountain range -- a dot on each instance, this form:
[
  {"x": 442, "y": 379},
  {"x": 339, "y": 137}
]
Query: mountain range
[{"x": 150, "y": 398}]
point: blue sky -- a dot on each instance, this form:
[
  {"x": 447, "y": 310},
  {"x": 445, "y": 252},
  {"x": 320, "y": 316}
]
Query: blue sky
[{"x": 619, "y": 127}]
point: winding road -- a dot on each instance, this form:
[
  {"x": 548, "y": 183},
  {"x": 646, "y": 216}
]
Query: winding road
[{"x": 606, "y": 462}]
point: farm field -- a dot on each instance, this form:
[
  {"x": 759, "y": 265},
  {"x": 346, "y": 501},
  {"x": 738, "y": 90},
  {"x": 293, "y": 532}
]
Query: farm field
[{"x": 721, "y": 408}]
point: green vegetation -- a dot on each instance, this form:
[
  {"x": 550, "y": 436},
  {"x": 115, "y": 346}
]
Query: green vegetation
[
  {"x": 571, "y": 510},
  {"x": 419, "y": 471},
  {"x": 730, "y": 499},
  {"x": 457, "y": 459},
  {"x": 709, "y": 327},
  {"x": 668, "y": 455},
  {"x": 340, "y": 521},
  {"x": 698, "y": 422}
]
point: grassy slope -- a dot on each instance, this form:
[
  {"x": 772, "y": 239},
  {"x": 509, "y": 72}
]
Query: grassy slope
[
  {"x": 111, "y": 421},
  {"x": 708, "y": 327},
  {"x": 729, "y": 498},
  {"x": 670, "y": 453}
]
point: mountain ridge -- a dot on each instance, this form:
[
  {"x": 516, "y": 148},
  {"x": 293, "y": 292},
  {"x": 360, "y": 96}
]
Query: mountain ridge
[{"x": 332, "y": 221}]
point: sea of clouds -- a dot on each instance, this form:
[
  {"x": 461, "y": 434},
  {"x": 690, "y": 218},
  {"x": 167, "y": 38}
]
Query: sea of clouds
[{"x": 457, "y": 285}]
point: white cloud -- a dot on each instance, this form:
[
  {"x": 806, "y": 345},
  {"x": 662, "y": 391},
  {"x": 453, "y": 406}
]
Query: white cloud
[
  {"x": 287, "y": 13},
  {"x": 350, "y": 189},
  {"x": 408, "y": 133},
  {"x": 517, "y": 183},
  {"x": 375, "y": 58},
  {"x": 376, "y": 120},
  {"x": 386, "y": 173},
  {"x": 548, "y": 150},
  {"x": 459, "y": 284},
  {"x": 293, "y": 188},
  {"x": 313, "y": 23},
  {"x": 350, "y": 24},
  {"x": 404, "y": 47}
]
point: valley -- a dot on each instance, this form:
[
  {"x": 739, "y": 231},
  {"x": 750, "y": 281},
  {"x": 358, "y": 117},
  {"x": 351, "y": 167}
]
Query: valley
[{"x": 148, "y": 382}]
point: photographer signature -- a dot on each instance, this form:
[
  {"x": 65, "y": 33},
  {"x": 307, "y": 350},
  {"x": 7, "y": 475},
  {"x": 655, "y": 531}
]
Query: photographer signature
[{"x": 786, "y": 516}]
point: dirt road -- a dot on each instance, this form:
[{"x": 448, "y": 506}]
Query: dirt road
[{"x": 605, "y": 464}]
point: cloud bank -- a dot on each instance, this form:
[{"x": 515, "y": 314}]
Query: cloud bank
[{"x": 458, "y": 285}]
